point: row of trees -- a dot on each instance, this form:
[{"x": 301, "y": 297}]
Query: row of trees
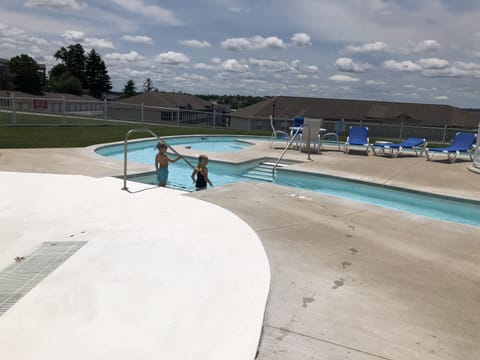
[
  {"x": 234, "y": 101},
  {"x": 75, "y": 73},
  {"x": 78, "y": 71}
]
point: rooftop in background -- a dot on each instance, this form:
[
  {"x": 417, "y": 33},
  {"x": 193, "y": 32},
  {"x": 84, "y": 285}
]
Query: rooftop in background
[
  {"x": 169, "y": 100},
  {"x": 47, "y": 95},
  {"x": 371, "y": 111}
]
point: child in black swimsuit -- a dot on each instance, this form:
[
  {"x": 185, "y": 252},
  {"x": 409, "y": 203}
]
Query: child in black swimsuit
[{"x": 200, "y": 173}]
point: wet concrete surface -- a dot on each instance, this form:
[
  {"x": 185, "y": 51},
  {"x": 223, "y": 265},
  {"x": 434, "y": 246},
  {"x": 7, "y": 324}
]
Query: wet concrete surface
[{"x": 356, "y": 281}]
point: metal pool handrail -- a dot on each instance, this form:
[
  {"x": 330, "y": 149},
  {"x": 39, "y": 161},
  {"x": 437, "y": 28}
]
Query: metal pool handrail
[
  {"x": 285, "y": 150},
  {"x": 125, "y": 145}
]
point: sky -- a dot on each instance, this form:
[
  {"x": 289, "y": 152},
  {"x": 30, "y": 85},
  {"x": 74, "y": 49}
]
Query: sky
[{"x": 388, "y": 50}]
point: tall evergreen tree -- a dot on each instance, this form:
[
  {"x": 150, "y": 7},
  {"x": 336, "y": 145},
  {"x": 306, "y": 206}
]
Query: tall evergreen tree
[
  {"x": 96, "y": 75},
  {"x": 129, "y": 89},
  {"x": 26, "y": 73},
  {"x": 148, "y": 85}
]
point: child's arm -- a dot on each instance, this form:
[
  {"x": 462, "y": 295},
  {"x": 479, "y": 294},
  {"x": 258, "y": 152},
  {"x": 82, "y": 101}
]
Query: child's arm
[
  {"x": 206, "y": 177},
  {"x": 173, "y": 160},
  {"x": 193, "y": 174}
]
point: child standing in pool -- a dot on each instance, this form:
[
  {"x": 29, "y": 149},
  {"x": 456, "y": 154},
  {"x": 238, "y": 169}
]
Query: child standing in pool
[
  {"x": 200, "y": 173},
  {"x": 161, "y": 164}
]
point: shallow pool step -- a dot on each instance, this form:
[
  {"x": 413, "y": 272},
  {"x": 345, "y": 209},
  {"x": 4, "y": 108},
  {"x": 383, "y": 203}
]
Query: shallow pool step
[{"x": 261, "y": 172}]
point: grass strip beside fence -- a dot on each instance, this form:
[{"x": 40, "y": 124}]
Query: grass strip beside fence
[{"x": 80, "y": 136}]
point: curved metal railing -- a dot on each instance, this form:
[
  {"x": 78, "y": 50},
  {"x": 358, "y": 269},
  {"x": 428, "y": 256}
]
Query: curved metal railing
[{"x": 285, "y": 150}]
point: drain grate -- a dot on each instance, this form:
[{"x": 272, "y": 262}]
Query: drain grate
[{"x": 27, "y": 272}]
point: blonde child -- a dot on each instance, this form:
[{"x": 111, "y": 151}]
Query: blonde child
[
  {"x": 200, "y": 173},
  {"x": 161, "y": 164}
]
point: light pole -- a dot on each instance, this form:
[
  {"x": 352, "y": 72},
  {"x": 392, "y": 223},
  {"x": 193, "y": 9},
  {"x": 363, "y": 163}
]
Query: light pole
[{"x": 273, "y": 110}]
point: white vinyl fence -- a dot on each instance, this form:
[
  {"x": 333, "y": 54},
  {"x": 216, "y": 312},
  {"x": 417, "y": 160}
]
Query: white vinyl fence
[{"x": 22, "y": 111}]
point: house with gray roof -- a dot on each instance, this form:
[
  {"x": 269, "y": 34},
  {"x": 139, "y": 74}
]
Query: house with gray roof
[
  {"x": 380, "y": 112},
  {"x": 169, "y": 100}
]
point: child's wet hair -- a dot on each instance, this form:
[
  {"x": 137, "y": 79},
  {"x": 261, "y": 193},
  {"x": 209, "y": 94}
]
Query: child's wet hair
[
  {"x": 202, "y": 159},
  {"x": 161, "y": 145}
]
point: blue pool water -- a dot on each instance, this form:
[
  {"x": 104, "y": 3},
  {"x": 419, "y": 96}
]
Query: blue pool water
[
  {"x": 144, "y": 151},
  {"x": 438, "y": 207}
]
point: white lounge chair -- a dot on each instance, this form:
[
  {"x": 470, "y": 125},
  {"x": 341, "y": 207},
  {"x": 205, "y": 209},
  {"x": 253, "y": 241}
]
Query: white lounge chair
[{"x": 278, "y": 134}]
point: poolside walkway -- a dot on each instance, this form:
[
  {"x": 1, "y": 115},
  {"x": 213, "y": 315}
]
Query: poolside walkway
[
  {"x": 349, "y": 280},
  {"x": 158, "y": 275}
]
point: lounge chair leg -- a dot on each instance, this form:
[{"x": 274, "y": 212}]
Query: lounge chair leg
[{"x": 454, "y": 157}]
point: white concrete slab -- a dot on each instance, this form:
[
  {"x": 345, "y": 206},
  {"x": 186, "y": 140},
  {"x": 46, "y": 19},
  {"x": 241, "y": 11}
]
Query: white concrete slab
[{"x": 163, "y": 276}]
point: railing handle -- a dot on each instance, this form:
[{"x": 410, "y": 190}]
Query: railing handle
[{"x": 285, "y": 150}]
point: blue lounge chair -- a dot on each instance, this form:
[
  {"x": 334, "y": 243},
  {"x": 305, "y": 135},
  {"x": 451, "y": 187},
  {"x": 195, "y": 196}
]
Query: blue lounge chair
[
  {"x": 463, "y": 143},
  {"x": 413, "y": 143},
  {"x": 357, "y": 136},
  {"x": 297, "y": 128}
]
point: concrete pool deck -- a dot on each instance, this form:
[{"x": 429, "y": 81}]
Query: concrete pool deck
[{"x": 349, "y": 280}]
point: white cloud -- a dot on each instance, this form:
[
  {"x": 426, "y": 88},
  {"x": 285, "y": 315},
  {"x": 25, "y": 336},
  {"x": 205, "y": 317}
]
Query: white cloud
[
  {"x": 427, "y": 45},
  {"x": 301, "y": 40},
  {"x": 132, "y": 56},
  {"x": 154, "y": 12},
  {"x": 441, "y": 97},
  {"x": 343, "y": 78},
  {"x": 73, "y": 35},
  {"x": 433, "y": 63},
  {"x": 195, "y": 43},
  {"x": 467, "y": 66},
  {"x": 298, "y": 66},
  {"x": 348, "y": 65},
  {"x": 375, "y": 82},
  {"x": 253, "y": 43},
  {"x": 374, "y": 47},
  {"x": 55, "y": 4},
  {"x": 401, "y": 66},
  {"x": 98, "y": 43},
  {"x": 172, "y": 58},
  {"x": 270, "y": 65},
  {"x": 232, "y": 65},
  {"x": 203, "y": 66},
  {"x": 138, "y": 39}
]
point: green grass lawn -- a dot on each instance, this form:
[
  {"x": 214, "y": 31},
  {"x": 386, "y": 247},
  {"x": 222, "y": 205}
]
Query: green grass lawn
[{"x": 80, "y": 136}]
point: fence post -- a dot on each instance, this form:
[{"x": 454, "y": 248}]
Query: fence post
[
  {"x": 401, "y": 130},
  {"x": 214, "y": 116},
  {"x": 14, "y": 113},
  {"x": 444, "y": 133},
  {"x": 63, "y": 111},
  {"x": 105, "y": 116},
  {"x": 178, "y": 116},
  {"x": 142, "y": 114},
  {"x": 249, "y": 122}
]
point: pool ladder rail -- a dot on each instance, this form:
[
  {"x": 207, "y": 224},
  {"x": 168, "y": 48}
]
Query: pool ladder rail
[
  {"x": 263, "y": 171},
  {"x": 125, "y": 147}
]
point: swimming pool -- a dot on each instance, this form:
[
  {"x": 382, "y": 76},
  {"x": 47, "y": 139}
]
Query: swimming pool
[
  {"x": 438, "y": 207},
  {"x": 144, "y": 151}
]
